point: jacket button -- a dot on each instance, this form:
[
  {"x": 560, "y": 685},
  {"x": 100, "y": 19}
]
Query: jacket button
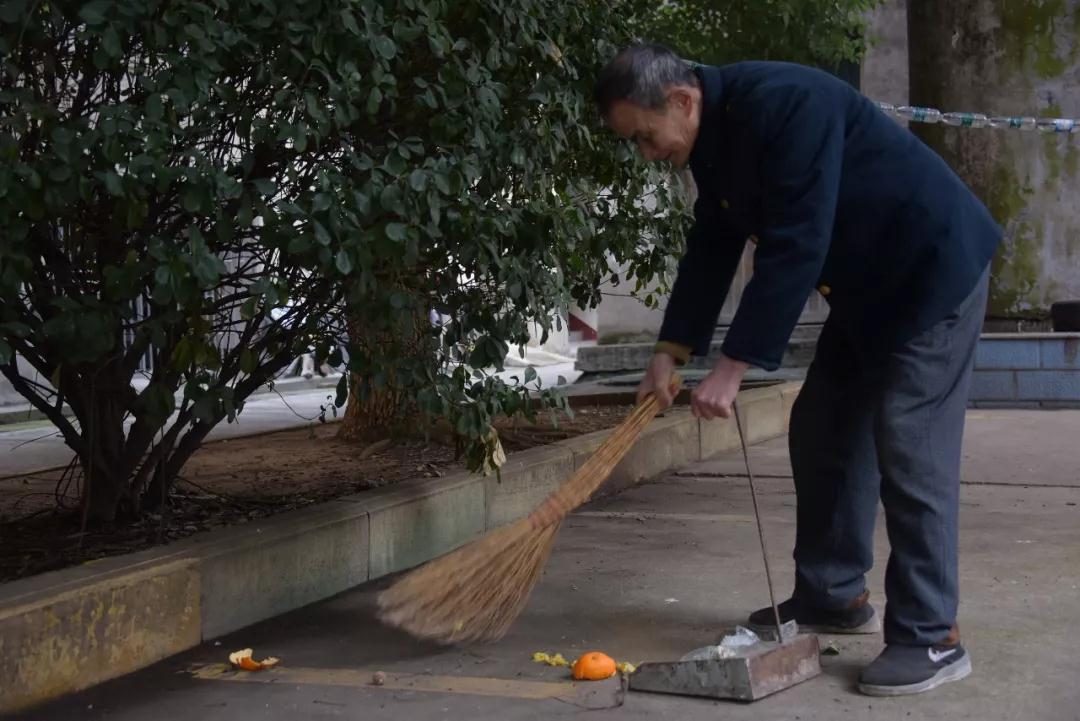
[{"x": 824, "y": 290}]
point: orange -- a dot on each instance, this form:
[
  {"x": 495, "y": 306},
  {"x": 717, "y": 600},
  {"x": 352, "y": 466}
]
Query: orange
[{"x": 594, "y": 666}]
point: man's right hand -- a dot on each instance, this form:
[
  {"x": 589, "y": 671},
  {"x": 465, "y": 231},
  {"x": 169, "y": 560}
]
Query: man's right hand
[{"x": 658, "y": 379}]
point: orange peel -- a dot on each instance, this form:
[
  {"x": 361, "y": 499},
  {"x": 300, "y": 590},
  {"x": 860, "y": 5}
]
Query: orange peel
[{"x": 242, "y": 659}]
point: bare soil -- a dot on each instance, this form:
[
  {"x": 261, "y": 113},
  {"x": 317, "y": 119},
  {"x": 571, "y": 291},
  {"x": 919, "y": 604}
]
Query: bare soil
[{"x": 234, "y": 481}]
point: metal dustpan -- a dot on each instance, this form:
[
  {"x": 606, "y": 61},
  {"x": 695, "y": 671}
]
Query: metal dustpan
[{"x": 752, "y": 673}]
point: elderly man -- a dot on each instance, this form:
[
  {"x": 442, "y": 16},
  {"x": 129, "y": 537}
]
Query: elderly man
[{"x": 841, "y": 199}]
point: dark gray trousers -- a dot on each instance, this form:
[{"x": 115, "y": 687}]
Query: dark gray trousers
[{"x": 889, "y": 429}]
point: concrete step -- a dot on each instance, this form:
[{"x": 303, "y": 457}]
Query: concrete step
[{"x": 628, "y": 357}]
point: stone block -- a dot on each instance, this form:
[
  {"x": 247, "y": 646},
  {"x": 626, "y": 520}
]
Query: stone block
[
  {"x": 582, "y": 447},
  {"x": 415, "y": 521},
  {"x": 788, "y": 393},
  {"x": 1060, "y": 405},
  {"x": 64, "y": 635},
  {"x": 719, "y": 435},
  {"x": 279, "y": 564},
  {"x": 668, "y": 442},
  {"x": 1007, "y": 353},
  {"x": 1010, "y": 405},
  {"x": 762, "y": 413},
  {"x": 1061, "y": 353},
  {"x": 526, "y": 480},
  {"x": 989, "y": 385},
  {"x": 1048, "y": 385}
]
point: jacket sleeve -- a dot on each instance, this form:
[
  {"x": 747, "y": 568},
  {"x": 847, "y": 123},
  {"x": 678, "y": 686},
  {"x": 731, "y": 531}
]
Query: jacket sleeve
[
  {"x": 701, "y": 285},
  {"x": 802, "y": 138}
]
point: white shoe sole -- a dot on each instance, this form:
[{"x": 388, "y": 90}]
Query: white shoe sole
[{"x": 953, "y": 672}]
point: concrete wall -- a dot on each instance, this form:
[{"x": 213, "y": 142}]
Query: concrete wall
[
  {"x": 1013, "y": 58},
  {"x": 8, "y": 395},
  {"x": 622, "y": 319},
  {"x": 885, "y": 67}
]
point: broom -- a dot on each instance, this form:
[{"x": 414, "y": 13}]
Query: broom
[{"x": 475, "y": 592}]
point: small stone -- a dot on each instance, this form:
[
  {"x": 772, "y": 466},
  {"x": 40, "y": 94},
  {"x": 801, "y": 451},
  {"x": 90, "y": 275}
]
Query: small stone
[{"x": 379, "y": 678}]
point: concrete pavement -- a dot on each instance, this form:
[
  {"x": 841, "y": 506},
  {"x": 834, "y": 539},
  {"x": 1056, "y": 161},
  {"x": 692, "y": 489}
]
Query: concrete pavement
[{"x": 666, "y": 567}]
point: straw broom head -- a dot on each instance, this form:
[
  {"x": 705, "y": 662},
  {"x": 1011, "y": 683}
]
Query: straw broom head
[{"x": 477, "y": 591}]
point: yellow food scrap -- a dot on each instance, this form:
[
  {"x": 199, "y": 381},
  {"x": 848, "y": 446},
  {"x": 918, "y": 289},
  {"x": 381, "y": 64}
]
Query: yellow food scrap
[
  {"x": 556, "y": 660},
  {"x": 625, "y": 667}
]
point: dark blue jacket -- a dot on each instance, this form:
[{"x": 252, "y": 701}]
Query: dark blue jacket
[{"x": 839, "y": 197}]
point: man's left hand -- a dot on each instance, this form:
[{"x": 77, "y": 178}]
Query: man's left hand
[{"x": 715, "y": 395}]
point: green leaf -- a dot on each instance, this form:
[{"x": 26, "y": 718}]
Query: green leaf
[
  {"x": 249, "y": 362},
  {"x": 385, "y": 47},
  {"x": 154, "y": 107},
  {"x": 442, "y": 181},
  {"x": 265, "y": 186},
  {"x": 343, "y": 262},
  {"x": 11, "y": 11},
  {"x": 394, "y": 164},
  {"x": 390, "y": 200},
  {"x": 418, "y": 180},
  {"x": 374, "y": 101},
  {"x": 113, "y": 184},
  {"x": 395, "y": 231},
  {"x": 110, "y": 42},
  {"x": 349, "y": 22},
  {"x": 157, "y": 403},
  {"x": 94, "y": 12},
  {"x": 5, "y": 352},
  {"x": 405, "y": 32}
]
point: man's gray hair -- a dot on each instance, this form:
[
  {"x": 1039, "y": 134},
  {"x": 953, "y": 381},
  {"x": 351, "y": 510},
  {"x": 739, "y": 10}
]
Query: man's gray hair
[{"x": 642, "y": 74}]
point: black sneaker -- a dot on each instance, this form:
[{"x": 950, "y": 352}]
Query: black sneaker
[
  {"x": 858, "y": 617},
  {"x": 903, "y": 670}
]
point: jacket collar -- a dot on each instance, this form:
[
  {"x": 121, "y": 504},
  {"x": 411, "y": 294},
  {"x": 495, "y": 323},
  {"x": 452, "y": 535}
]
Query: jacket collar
[{"x": 710, "y": 128}]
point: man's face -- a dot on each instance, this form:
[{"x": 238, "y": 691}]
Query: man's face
[{"x": 667, "y": 134}]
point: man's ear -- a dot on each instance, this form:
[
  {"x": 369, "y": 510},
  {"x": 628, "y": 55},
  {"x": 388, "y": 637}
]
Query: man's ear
[{"x": 680, "y": 98}]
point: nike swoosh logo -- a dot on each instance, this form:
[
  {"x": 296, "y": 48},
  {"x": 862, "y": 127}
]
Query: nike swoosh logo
[{"x": 937, "y": 656}]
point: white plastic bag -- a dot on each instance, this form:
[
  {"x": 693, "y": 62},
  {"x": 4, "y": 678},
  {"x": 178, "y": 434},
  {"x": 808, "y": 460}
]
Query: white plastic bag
[{"x": 729, "y": 647}]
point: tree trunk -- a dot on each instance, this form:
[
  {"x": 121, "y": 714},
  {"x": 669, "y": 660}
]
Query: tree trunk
[
  {"x": 100, "y": 399},
  {"x": 1008, "y": 58},
  {"x": 385, "y": 407}
]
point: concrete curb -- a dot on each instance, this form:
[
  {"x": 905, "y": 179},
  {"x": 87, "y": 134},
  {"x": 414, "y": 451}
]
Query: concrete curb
[{"x": 67, "y": 630}]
